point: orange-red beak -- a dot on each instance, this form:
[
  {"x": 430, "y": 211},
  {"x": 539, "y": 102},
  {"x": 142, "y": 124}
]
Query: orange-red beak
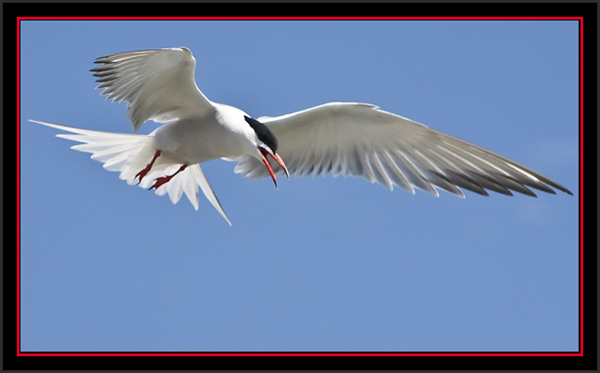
[{"x": 264, "y": 152}]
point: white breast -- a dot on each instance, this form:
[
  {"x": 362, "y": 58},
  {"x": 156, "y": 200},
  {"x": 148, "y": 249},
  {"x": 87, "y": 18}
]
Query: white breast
[{"x": 221, "y": 133}]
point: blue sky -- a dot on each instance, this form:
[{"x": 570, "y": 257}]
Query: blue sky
[{"x": 330, "y": 264}]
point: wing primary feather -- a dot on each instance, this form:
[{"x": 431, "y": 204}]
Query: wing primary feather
[
  {"x": 396, "y": 175},
  {"x": 465, "y": 182},
  {"x": 380, "y": 173},
  {"x": 476, "y": 176},
  {"x": 489, "y": 183},
  {"x": 510, "y": 168},
  {"x": 355, "y": 166},
  {"x": 336, "y": 164},
  {"x": 431, "y": 172},
  {"x": 508, "y": 179},
  {"x": 413, "y": 174},
  {"x": 367, "y": 170}
]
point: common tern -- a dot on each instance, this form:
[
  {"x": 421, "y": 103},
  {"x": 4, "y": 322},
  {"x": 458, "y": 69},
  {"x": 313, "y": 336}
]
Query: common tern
[{"x": 351, "y": 139}]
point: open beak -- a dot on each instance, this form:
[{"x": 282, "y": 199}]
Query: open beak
[{"x": 264, "y": 152}]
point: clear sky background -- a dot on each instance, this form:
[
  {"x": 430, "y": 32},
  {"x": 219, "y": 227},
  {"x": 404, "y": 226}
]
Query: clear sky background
[{"x": 330, "y": 264}]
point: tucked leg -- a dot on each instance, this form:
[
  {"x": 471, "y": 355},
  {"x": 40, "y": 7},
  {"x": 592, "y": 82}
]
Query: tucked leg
[
  {"x": 165, "y": 179},
  {"x": 143, "y": 172}
]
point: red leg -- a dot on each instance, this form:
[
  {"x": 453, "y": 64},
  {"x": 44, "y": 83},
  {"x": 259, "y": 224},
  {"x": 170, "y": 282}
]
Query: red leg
[
  {"x": 143, "y": 172},
  {"x": 165, "y": 179}
]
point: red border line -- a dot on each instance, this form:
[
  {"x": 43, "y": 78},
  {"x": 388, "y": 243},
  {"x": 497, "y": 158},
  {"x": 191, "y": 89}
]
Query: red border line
[
  {"x": 300, "y": 18},
  {"x": 305, "y": 354},
  {"x": 18, "y": 187},
  {"x": 581, "y": 186}
]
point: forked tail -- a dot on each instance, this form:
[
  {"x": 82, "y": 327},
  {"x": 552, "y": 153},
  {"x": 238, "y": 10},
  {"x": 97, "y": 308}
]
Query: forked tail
[{"x": 128, "y": 154}]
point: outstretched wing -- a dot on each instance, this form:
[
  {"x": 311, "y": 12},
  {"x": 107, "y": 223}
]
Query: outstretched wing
[
  {"x": 156, "y": 84},
  {"x": 360, "y": 140}
]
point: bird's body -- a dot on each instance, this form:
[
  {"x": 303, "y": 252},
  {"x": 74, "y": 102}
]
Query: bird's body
[
  {"x": 222, "y": 133},
  {"x": 351, "y": 139}
]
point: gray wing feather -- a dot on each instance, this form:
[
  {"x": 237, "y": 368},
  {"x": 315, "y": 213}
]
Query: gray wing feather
[
  {"x": 362, "y": 141},
  {"x": 156, "y": 84}
]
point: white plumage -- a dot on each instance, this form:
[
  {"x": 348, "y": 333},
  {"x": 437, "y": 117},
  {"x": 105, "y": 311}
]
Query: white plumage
[{"x": 351, "y": 139}]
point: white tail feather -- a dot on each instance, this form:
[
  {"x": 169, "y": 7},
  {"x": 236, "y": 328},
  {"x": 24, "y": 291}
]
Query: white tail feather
[{"x": 129, "y": 154}]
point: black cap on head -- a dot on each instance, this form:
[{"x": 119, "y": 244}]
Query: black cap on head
[{"x": 263, "y": 132}]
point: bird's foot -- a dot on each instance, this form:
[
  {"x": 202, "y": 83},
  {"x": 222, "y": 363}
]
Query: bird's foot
[
  {"x": 160, "y": 181},
  {"x": 165, "y": 179},
  {"x": 142, "y": 173},
  {"x": 145, "y": 171}
]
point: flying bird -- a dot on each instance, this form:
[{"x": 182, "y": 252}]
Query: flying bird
[{"x": 351, "y": 139}]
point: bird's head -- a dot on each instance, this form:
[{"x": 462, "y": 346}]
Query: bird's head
[{"x": 266, "y": 144}]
